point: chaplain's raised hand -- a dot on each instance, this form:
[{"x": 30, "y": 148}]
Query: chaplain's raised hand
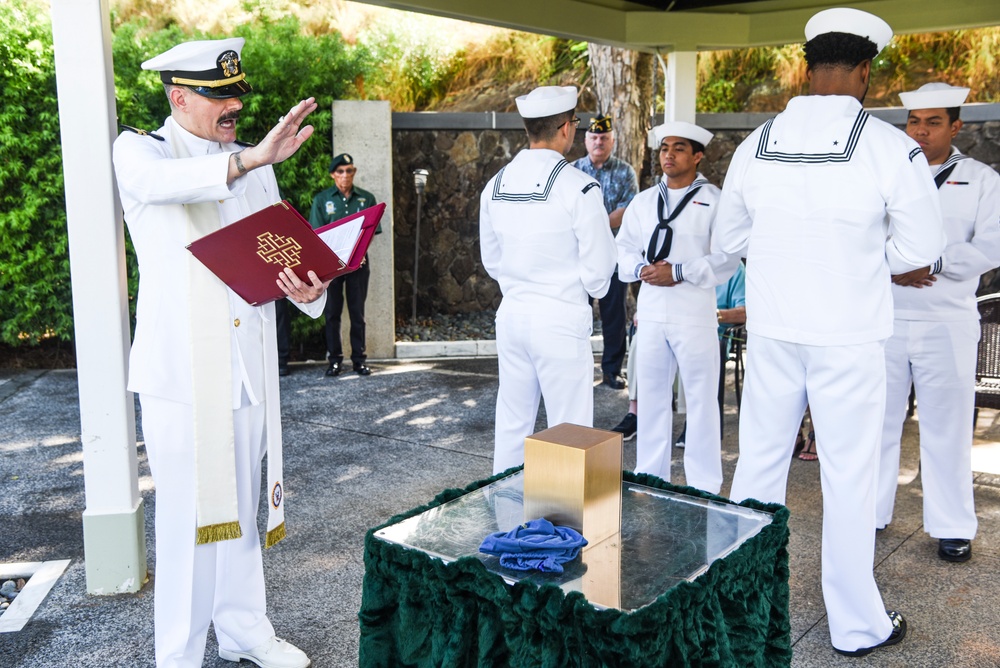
[{"x": 281, "y": 142}]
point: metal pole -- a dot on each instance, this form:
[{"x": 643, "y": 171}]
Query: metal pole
[
  {"x": 416, "y": 253},
  {"x": 420, "y": 183}
]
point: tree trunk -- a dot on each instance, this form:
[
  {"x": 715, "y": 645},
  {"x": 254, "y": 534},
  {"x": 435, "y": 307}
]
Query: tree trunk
[{"x": 622, "y": 81}]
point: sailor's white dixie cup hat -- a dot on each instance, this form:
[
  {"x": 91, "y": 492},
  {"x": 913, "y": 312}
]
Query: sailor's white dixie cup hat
[
  {"x": 683, "y": 130},
  {"x": 852, "y": 22},
  {"x": 546, "y": 101},
  {"x": 211, "y": 68},
  {"x": 934, "y": 96}
]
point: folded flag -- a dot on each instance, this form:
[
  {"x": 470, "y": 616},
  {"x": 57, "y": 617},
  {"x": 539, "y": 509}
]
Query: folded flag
[{"x": 535, "y": 545}]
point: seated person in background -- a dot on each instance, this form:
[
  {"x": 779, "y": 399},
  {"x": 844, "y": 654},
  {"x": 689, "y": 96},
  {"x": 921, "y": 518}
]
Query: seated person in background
[
  {"x": 731, "y": 312},
  {"x": 730, "y": 300}
]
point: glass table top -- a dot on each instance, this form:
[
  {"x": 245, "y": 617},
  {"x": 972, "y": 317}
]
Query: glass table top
[{"x": 666, "y": 538}]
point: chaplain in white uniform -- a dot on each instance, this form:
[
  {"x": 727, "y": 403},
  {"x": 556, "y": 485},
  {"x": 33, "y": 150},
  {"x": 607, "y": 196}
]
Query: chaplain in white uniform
[
  {"x": 203, "y": 362},
  {"x": 546, "y": 239},
  {"x": 665, "y": 242},
  {"x": 936, "y": 330},
  {"x": 828, "y": 202}
]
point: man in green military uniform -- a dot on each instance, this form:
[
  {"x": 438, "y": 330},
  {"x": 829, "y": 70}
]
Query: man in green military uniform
[{"x": 334, "y": 203}]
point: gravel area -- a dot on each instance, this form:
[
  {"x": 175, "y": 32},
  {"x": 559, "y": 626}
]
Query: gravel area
[{"x": 455, "y": 327}]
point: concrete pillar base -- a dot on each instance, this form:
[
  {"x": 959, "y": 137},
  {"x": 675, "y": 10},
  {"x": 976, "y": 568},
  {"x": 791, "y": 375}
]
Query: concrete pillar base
[{"x": 115, "y": 548}]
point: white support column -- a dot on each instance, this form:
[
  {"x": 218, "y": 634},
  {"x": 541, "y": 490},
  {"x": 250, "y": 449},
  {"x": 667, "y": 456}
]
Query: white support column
[
  {"x": 681, "y": 86},
  {"x": 113, "y": 525},
  {"x": 364, "y": 129}
]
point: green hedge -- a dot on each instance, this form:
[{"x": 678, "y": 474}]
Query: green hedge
[
  {"x": 34, "y": 262},
  {"x": 283, "y": 66}
]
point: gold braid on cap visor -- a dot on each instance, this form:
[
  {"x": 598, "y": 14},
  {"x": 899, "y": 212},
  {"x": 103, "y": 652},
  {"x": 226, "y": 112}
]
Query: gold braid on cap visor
[{"x": 209, "y": 84}]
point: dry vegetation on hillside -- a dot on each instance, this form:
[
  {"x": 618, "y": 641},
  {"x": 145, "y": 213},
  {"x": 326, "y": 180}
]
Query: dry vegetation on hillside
[
  {"x": 763, "y": 79},
  {"x": 432, "y": 63}
]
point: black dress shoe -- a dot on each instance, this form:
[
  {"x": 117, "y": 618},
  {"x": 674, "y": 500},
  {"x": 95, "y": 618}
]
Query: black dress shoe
[
  {"x": 955, "y": 549},
  {"x": 614, "y": 381},
  {"x": 334, "y": 369},
  {"x": 627, "y": 426},
  {"x": 283, "y": 370},
  {"x": 362, "y": 370},
  {"x": 898, "y": 633}
]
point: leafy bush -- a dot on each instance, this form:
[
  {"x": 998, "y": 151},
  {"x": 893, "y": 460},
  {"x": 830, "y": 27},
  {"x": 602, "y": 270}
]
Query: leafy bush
[
  {"x": 283, "y": 65},
  {"x": 35, "y": 298}
]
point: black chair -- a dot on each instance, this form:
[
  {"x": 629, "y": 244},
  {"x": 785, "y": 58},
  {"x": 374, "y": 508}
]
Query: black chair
[
  {"x": 738, "y": 339},
  {"x": 988, "y": 358}
]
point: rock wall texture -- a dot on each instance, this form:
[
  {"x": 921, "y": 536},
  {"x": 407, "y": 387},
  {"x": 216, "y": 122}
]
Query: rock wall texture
[{"x": 451, "y": 276}]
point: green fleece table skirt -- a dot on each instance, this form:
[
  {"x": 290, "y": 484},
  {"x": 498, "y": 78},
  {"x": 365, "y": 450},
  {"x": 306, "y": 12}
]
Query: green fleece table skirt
[{"x": 695, "y": 581}]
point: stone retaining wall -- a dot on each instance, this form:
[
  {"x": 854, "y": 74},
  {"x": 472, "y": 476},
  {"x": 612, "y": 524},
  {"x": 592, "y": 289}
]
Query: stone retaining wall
[{"x": 461, "y": 159}]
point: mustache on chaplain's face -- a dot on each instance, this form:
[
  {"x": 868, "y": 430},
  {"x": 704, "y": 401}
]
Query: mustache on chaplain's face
[{"x": 230, "y": 116}]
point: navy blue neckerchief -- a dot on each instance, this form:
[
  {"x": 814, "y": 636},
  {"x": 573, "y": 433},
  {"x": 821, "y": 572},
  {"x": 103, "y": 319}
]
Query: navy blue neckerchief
[{"x": 652, "y": 255}]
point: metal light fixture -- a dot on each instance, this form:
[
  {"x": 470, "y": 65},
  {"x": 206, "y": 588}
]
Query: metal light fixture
[{"x": 420, "y": 183}]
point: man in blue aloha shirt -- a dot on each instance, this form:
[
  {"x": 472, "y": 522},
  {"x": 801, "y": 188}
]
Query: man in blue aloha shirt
[{"x": 619, "y": 185}]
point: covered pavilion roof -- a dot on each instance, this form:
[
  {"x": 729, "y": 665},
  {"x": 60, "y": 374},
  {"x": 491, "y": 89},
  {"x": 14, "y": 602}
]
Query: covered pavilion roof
[{"x": 693, "y": 25}]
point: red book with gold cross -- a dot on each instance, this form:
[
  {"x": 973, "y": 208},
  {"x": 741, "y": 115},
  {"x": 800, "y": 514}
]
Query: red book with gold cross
[{"x": 248, "y": 254}]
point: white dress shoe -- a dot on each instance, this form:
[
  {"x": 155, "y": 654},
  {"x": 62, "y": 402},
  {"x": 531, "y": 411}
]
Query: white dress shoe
[{"x": 275, "y": 653}]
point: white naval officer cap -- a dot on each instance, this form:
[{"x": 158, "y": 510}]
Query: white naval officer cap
[
  {"x": 683, "y": 130},
  {"x": 546, "y": 101},
  {"x": 935, "y": 95},
  {"x": 852, "y": 22},
  {"x": 211, "y": 68}
]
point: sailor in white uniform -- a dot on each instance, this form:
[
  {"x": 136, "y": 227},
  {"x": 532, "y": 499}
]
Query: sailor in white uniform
[
  {"x": 545, "y": 237},
  {"x": 202, "y": 358},
  {"x": 936, "y": 330},
  {"x": 828, "y": 202},
  {"x": 665, "y": 242}
]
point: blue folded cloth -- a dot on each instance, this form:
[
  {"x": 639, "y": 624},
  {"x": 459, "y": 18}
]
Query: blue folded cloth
[{"x": 535, "y": 545}]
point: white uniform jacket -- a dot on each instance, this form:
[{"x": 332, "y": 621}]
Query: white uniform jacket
[
  {"x": 692, "y": 301},
  {"x": 837, "y": 201},
  {"x": 545, "y": 236},
  {"x": 970, "y": 206},
  {"x": 154, "y": 186}
]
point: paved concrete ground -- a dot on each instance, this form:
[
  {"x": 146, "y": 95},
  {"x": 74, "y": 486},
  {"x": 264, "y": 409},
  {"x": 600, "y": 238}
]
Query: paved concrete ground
[{"x": 359, "y": 450}]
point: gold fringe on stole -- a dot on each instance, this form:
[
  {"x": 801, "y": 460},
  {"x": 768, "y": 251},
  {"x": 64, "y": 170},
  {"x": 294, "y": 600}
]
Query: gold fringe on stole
[
  {"x": 275, "y": 535},
  {"x": 216, "y": 532}
]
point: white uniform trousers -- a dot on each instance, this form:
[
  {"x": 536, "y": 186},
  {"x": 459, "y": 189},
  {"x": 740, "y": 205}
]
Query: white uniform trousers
[
  {"x": 665, "y": 349},
  {"x": 940, "y": 360},
  {"x": 220, "y": 582},
  {"x": 630, "y": 368},
  {"x": 540, "y": 356},
  {"x": 845, "y": 389}
]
